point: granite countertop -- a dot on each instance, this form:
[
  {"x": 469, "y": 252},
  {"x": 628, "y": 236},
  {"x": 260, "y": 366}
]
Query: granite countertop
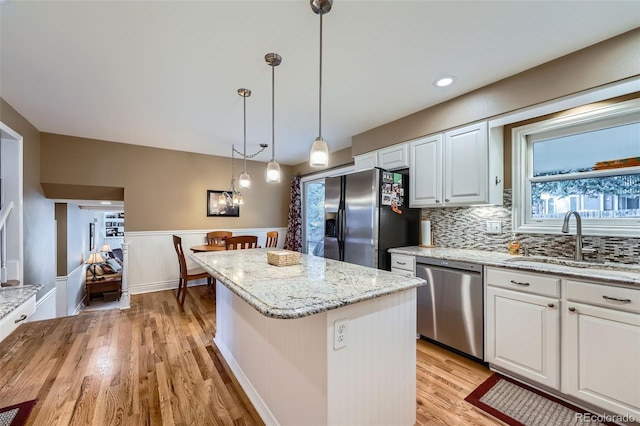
[
  {"x": 315, "y": 285},
  {"x": 613, "y": 273},
  {"x": 12, "y": 297}
]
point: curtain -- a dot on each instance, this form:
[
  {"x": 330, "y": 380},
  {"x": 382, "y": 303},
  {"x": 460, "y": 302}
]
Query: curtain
[{"x": 293, "y": 240}]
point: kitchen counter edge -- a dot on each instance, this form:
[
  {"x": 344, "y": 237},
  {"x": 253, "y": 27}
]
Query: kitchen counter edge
[
  {"x": 504, "y": 260},
  {"x": 12, "y": 297}
]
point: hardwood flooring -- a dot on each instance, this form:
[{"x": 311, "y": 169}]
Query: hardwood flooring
[{"x": 156, "y": 364}]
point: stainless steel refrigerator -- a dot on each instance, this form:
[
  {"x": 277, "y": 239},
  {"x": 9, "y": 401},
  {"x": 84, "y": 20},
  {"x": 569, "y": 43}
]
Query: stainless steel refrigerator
[{"x": 367, "y": 213}]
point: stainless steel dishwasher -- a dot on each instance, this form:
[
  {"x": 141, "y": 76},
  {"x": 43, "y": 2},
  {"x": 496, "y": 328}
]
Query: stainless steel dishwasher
[{"x": 451, "y": 304}]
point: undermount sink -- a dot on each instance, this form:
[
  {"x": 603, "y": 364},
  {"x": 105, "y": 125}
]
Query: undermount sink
[{"x": 577, "y": 263}]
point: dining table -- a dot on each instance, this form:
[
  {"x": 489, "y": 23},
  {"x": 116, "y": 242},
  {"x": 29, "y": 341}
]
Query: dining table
[
  {"x": 211, "y": 247},
  {"x": 207, "y": 247}
]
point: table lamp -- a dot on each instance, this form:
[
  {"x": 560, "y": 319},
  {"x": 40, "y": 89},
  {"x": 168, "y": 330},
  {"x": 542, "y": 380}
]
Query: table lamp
[
  {"x": 106, "y": 249},
  {"x": 94, "y": 259}
]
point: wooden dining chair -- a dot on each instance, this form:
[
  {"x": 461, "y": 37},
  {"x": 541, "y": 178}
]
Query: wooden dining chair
[
  {"x": 241, "y": 242},
  {"x": 187, "y": 275},
  {"x": 216, "y": 238},
  {"x": 272, "y": 239}
]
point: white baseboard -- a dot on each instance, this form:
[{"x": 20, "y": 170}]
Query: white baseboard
[
  {"x": 258, "y": 403},
  {"x": 162, "y": 286}
]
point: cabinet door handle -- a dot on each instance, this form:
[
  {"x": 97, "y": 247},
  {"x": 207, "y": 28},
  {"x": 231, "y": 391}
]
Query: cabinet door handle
[
  {"x": 519, "y": 283},
  {"x": 446, "y": 200},
  {"x": 401, "y": 263},
  {"x": 572, "y": 309},
  {"x": 437, "y": 201},
  {"x": 22, "y": 318},
  {"x": 551, "y": 305},
  {"x": 616, "y": 299}
]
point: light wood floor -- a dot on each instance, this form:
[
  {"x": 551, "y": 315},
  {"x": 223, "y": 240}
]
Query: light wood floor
[{"x": 156, "y": 364}]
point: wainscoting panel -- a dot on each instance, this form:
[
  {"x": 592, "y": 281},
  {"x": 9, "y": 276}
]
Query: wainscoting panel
[
  {"x": 45, "y": 307},
  {"x": 70, "y": 292},
  {"x": 152, "y": 261}
]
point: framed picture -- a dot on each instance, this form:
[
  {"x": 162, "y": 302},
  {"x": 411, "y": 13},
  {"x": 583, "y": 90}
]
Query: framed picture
[
  {"x": 216, "y": 209},
  {"x": 92, "y": 236}
]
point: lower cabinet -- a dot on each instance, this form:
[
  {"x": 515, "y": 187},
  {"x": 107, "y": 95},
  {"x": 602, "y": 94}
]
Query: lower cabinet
[
  {"x": 601, "y": 358},
  {"x": 580, "y": 338},
  {"x": 522, "y": 332},
  {"x": 16, "y": 317}
]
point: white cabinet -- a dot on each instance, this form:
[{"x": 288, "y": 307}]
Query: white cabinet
[
  {"x": 425, "y": 172},
  {"x": 366, "y": 161},
  {"x": 456, "y": 168},
  {"x": 601, "y": 347},
  {"x": 466, "y": 158},
  {"x": 394, "y": 157},
  {"x": 16, "y": 317},
  {"x": 523, "y": 332},
  {"x": 403, "y": 264}
]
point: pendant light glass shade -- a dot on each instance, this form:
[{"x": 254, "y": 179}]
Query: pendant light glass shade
[
  {"x": 273, "y": 168},
  {"x": 244, "y": 180},
  {"x": 319, "y": 156},
  {"x": 273, "y": 171}
]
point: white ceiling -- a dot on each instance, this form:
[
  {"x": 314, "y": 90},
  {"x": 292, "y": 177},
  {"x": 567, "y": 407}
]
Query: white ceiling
[{"x": 165, "y": 73}]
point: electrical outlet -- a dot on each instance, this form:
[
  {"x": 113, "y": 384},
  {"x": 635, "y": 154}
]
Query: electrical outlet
[
  {"x": 494, "y": 227},
  {"x": 340, "y": 333}
]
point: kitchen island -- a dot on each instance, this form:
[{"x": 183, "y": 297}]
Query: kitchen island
[{"x": 321, "y": 342}]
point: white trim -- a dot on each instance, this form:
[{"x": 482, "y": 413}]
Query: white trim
[
  {"x": 238, "y": 231},
  {"x": 17, "y": 187},
  {"x": 329, "y": 173},
  {"x": 258, "y": 403},
  {"x": 46, "y": 304},
  {"x": 609, "y": 91},
  {"x": 522, "y": 164},
  {"x": 76, "y": 279},
  {"x": 165, "y": 285}
]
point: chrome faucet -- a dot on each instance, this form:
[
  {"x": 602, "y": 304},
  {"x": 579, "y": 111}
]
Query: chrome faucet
[{"x": 565, "y": 229}]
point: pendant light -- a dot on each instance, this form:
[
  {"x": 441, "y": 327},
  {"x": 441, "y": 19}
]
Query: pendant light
[
  {"x": 273, "y": 168},
  {"x": 231, "y": 197},
  {"x": 319, "y": 156},
  {"x": 244, "y": 180}
]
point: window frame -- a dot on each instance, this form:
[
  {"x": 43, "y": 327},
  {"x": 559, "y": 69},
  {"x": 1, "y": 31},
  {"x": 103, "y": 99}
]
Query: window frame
[
  {"x": 314, "y": 178},
  {"x": 524, "y": 137}
]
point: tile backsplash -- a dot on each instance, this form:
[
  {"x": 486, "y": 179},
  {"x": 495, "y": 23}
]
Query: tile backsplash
[{"x": 466, "y": 227}]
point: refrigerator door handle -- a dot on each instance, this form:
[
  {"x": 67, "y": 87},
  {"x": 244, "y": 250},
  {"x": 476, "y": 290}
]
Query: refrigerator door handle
[{"x": 340, "y": 234}]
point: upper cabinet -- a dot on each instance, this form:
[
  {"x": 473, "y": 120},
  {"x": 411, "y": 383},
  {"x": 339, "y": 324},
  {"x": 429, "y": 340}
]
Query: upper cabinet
[
  {"x": 456, "y": 168},
  {"x": 425, "y": 172},
  {"x": 366, "y": 161},
  {"x": 394, "y": 157}
]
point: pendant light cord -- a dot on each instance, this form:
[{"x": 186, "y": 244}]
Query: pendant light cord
[
  {"x": 320, "y": 85},
  {"x": 244, "y": 107},
  {"x": 273, "y": 112}
]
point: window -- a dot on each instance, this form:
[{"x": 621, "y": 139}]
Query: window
[
  {"x": 314, "y": 217},
  {"x": 588, "y": 162},
  {"x": 313, "y": 209}
]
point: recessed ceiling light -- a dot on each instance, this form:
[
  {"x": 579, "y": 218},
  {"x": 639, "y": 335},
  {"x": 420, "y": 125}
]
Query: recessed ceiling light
[
  {"x": 444, "y": 81},
  {"x": 105, "y": 203}
]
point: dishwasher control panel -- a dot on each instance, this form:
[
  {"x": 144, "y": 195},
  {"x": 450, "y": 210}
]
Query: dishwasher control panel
[{"x": 453, "y": 264}]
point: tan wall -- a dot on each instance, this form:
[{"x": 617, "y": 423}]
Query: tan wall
[
  {"x": 609, "y": 61},
  {"x": 39, "y": 224},
  {"x": 336, "y": 159},
  {"x": 163, "y": 189},
  {"x": 73, "y": 236}
]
